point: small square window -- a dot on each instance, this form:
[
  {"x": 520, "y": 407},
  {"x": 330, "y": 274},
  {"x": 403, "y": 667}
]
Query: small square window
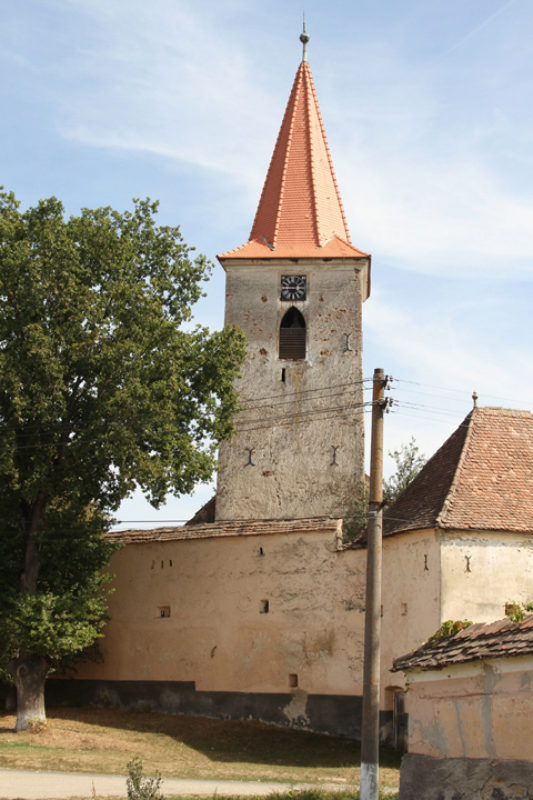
[{"x": 164, "y": 611}]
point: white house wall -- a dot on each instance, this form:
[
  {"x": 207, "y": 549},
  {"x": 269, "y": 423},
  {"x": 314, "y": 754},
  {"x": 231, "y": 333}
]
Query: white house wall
[{"x": 482, "y": 571}]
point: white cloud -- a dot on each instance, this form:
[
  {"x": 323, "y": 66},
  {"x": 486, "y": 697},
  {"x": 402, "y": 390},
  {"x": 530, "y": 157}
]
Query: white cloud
[
  {"x": 450, "y": 347},
  {"x": 439, "y": 356},
  {"x": 163, "y": 79},
  {"x": 422, "y": 187},
  {"x": 454, "y": 218},
  {"x": 478, "y": 28}
]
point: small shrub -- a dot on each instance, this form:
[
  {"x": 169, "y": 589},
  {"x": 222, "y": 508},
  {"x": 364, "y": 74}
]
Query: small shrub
[
  {"x": 449, "y": 628},
  {"x": 517, "y": 611},
  {"x": 139, "y": 787},
  {"x": 37, "y": 724}
]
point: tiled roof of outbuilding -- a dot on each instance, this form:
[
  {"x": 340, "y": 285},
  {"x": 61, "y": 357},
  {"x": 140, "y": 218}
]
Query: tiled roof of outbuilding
[
  {"x": 300, "y": 212},
  {"x": 480, "y": 479},
  {"x": 498, "y": 639}
]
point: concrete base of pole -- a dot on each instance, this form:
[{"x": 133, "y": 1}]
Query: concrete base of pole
[{"x": 369, "y": 781}]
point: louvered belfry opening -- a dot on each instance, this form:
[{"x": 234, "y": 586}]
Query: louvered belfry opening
[{"x": 292, "y": 335}]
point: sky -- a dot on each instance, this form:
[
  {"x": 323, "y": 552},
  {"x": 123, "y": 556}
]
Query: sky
[{"x": 428, "y": 113}]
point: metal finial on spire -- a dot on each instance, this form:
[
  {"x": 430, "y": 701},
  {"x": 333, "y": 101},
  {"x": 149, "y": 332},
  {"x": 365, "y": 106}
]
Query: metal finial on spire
[
  {"x": 474, "y": 398},
  {"x": 304, "y": 38}
]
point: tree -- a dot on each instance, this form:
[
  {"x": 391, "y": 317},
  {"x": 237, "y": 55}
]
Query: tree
[
  {"x": 101, "y": 389},
  {"x": 409, "y": 461}
]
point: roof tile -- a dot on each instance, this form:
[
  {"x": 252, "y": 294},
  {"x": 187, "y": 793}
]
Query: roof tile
[
  {"x": 227, "y": 528},
  {"x": 300, "y": 212},
  {"x": 502, "y": 638},
  {"x": 480, "y": 479}
]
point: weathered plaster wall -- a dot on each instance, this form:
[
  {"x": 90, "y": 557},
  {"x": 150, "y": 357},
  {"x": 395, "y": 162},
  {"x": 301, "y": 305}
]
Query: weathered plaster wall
[
  {"x": 476, "y": 710},
  {"x": 410, "y": 599},
  {"x": 220, "y": 639},
  {"x": 481, "y": 572},
  {"x": 298, "y": 446},
  {"x": 470, "y": 731},
  {"x": 218, "y": 634}
]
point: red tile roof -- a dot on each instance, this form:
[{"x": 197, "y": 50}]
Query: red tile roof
[
  {"x": 231, "y": 528},
  {"x": 300, "y": 212},
  {"x": 484, "y": 640},
  {"x": 480, "y": 479}
]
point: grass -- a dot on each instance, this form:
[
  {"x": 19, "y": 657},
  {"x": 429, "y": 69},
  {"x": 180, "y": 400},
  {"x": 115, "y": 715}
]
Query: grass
[{"x": 104, "y": 740}]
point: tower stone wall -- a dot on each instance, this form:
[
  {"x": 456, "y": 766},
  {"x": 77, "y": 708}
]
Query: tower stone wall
[{"x": 298, "y": 449}]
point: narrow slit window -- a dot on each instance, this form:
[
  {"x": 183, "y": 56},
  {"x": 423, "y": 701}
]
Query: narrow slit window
[{"x": 292, "y": 335}]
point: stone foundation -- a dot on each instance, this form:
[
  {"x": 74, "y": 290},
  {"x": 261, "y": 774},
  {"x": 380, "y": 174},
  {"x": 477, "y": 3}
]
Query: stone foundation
[
  {"x": 338, "y": 715},
  {"x": 428, "y": 778}
]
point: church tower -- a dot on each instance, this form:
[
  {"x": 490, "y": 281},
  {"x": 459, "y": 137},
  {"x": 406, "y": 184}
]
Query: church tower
[{"x": 295, "y": 288}]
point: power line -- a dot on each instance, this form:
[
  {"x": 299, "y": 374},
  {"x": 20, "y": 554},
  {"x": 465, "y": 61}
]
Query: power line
[
  {"x": 292, "y": 402},
  {"x": 306, "y": 391},
  {"x": 422, "y": 407},
  {"x": 329, "y": 412},
  {"x": 453, "y": 390},
  {"x": 25, "y": 428}
]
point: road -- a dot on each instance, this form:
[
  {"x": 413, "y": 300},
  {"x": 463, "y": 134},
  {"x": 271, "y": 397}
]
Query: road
[{"x": 38, "y": 785}]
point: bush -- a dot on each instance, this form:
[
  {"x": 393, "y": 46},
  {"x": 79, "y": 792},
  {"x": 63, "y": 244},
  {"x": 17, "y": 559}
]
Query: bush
[{"x": 139, "y": 787}]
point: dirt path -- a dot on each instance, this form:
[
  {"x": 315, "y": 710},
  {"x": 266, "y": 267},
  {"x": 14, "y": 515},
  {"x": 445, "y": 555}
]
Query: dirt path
[{"x": 39, "y": 785}]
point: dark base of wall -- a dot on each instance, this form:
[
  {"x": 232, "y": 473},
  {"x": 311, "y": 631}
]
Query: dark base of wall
[
  {"x": 8, "y": 697},
  {"x": 334, "y": 714},
  {"x": 427, "y": 778}
]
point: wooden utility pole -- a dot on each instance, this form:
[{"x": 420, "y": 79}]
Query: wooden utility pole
[{"x": 371, "y": 673}]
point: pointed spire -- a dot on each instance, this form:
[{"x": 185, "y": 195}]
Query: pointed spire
[
  {"x": 300, "y": 203},
  {"x": 300, "y": 212},
  {"x": 304, "y": 38}
]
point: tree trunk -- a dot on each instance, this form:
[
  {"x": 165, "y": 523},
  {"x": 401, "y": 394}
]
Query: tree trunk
[
  {"x": 30, "y": 671},
  {"x": 30, "y": 674},
  {"x": 32, "y": 564}
]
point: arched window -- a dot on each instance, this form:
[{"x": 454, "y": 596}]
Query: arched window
[{"x": 292, "y": 335}]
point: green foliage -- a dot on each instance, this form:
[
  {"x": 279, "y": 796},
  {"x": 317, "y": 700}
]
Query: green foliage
[
  {"x": 139, "y": 787},
  {"x": 96, "y": 369},
  {"x": 66, "y": 612},
  {"x": 356, "y": 520},
  {"x": 409, "y": 461},
  {"x": 104, "y": 385},
  {"x": 516, "y": 611},
  {"x": 55, "y": 626},
  {"x": 448, "y": 628}
]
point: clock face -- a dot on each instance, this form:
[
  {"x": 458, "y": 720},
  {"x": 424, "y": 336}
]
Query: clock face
[{"x": 293, "y": 287}]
